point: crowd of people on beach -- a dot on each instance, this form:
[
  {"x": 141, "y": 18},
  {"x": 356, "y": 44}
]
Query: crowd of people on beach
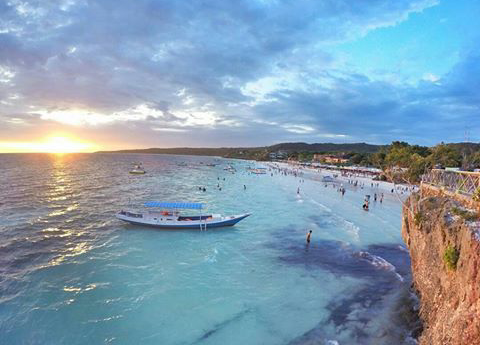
[{"x": 355, "y": 181}]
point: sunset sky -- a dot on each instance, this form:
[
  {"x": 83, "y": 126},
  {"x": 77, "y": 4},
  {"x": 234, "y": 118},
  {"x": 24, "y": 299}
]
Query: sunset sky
[{"x": 112, "y": 74}]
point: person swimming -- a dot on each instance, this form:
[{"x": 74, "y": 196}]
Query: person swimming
[{"x": 309, "y": 235}]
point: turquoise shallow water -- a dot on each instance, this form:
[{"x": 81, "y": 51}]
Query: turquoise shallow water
[{"x": 73, "y": 274}]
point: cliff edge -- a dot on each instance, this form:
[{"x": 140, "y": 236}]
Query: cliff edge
[{"x": 442, "y": 233}]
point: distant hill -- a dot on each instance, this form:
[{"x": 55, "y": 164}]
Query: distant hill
[
  {"x": 326, "y": 147},
  {"x": 258, "y": 153},
  {"x": 203, "y": 151}
]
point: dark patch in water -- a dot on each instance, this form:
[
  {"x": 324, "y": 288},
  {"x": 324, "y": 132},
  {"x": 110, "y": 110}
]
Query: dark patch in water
[
  {"x": 376, "y": 314},
  {"x": 341, "y": 259},
  {"x": 380, "y": 311},
  {"x": 218, "y": 327}
]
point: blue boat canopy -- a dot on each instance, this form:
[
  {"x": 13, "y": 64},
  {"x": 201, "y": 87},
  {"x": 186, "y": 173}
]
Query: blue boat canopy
[{"x": 186, "y": 205}]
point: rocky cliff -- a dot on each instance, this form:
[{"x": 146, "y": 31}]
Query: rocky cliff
[{"x": 443, "y": 237}]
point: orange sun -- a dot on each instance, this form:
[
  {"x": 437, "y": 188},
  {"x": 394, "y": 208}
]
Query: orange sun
[{"x": 53, "y": 144}]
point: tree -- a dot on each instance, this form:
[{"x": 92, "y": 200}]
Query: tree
[
  {"x": 418, "y": 166},
  {"x": 357, "y": 158},
  {"x": 378, "y": 159},
  {"x": 446, "y": 156},
  {"x": 405, "y": 163}
]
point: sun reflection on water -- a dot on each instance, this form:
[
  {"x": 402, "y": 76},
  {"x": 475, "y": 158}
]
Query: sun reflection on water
[{"x": 75, "y": 250}]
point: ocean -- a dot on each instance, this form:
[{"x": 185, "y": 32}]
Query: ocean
[{"x": 71, "y": 273}]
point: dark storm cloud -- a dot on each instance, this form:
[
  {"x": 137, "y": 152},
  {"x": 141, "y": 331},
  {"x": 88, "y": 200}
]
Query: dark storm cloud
[{"x": 186, "y": 60}]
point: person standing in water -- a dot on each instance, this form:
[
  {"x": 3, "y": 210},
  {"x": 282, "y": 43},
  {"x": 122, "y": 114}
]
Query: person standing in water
[
  {"x": 365, "y": 205},
  {"x": 309, "y": 235},
  {"x": 298, "y": 190}
]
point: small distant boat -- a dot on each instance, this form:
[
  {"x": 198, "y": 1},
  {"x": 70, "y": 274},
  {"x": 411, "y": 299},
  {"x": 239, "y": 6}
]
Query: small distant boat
[
  {"x": 258, "y": 171},
  {"x": 328, "y": 179},
  {"x": 182, "y": 164},
  {"x": 211, "y": 165},
  {"x": 138, "y": 170},
  {"x": 168, "y": 217},
  {"x": 230, "y": 168}
]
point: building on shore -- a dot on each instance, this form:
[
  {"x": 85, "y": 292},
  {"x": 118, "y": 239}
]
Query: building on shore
[
  {"x": 329, "y": 159},
  {"x": 280, "y": 154}
]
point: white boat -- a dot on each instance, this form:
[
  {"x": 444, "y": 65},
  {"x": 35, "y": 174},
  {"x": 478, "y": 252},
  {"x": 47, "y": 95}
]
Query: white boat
[
  {"x": 138, "y": 170},
  {"x": 168, "y": 217},
  {"x": 229, "y": 168}
]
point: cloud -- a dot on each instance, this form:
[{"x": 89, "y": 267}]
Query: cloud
[
  {"x": 232, "y": 72},
  {"x": 431, "y": 77}
]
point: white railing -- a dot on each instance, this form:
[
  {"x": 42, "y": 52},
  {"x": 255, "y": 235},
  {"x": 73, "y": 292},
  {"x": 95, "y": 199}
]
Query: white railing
[{"x": 463, "y": 182}]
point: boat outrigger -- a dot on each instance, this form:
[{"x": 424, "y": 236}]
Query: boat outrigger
[{"x": 168, "y": 217}]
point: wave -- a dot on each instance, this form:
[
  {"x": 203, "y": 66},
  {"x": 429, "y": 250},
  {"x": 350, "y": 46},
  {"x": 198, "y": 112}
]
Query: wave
[
  {"x": 321, "y": 205},
  {"x": 212, "y": 257},
  {"x": 378, "y": 262},
  {"x": 350, "y": 227}
]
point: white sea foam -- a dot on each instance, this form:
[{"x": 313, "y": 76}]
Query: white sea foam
[
  {"x": 377, "y": 261},
  {"x": 332, "y": 342},
  {"x": 321, "y": 205},
  {"x": 380, "y": 263},
  {"x": 212, "y": 257},
  {"x": 350, "y": 227}
]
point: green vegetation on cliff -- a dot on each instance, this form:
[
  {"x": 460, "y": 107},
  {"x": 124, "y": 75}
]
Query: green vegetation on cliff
[{"x": 450, "y": 257}]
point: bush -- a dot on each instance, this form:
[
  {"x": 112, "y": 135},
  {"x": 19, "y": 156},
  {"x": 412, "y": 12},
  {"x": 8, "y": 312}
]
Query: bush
[
  {"x": 418, "y": 218},
  {"x": 467, "y": 215},
  {"x": 450, "y": 257}
]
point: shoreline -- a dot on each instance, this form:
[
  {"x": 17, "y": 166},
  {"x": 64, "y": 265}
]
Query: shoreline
[{"x": 386, "y": 187}]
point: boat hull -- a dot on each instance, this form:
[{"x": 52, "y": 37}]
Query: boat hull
[{"x": 226, "y": 222}]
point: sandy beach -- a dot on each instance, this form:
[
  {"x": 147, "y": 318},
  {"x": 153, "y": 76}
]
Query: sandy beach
[{"x": 363, "y": 181}]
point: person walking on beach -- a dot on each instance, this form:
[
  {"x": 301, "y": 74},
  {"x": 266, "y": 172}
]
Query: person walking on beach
[{"x": 309, "y": 235}]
